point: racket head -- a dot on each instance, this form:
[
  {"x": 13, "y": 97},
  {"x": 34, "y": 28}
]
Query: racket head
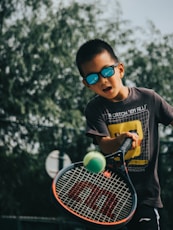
[{"x": 106, "y": 199}]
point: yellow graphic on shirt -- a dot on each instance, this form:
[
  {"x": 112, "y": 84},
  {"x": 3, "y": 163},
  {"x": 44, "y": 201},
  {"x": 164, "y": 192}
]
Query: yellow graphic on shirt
[{"x": 117, "y": 129}]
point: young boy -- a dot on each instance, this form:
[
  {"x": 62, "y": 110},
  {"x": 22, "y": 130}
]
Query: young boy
[{"x": 113, "y": 112}]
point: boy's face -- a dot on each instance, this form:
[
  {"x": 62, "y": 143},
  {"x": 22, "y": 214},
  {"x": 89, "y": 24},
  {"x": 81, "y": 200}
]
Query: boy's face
[{"x": 110, "y": 88}]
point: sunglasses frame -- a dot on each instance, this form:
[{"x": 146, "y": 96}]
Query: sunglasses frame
[{"x": 100, "y": 73}]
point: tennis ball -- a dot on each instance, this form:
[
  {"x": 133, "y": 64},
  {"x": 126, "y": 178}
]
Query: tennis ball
[{"x": 94, "y": 162}]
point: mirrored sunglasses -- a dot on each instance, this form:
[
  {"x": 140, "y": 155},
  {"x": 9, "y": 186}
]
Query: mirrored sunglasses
[{"x": 106, "y": 72}]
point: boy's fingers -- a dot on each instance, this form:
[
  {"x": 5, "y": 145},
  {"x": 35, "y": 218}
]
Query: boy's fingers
[{"x": 135, "y": 139}]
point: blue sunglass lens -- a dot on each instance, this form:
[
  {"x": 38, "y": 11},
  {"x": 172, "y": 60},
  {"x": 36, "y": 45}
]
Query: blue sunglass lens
[
  {"x": 91, "y": 79},
  {"x": 107, "y": 72}
]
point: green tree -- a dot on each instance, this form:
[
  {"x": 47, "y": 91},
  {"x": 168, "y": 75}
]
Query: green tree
[{"x": 151, "y": 65}]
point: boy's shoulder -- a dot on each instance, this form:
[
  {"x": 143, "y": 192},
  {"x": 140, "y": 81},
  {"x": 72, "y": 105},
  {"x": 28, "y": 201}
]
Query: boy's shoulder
[
  {"x": 95, "y": 100},
  {"x": 142, "y": 90},
  {"x": 96, "y": 104}
]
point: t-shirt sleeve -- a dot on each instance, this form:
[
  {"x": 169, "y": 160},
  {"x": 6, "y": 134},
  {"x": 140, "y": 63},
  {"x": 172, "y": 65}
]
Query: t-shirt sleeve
[
  {"x": 163, "y": 110},
  {"x": 95, "y": 123}
]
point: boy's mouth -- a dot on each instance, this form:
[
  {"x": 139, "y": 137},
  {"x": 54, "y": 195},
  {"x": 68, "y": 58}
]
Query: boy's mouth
[{"x": 107, "y": 89}]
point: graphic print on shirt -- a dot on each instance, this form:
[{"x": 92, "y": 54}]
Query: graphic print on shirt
[{"x": 133, "y": 119}]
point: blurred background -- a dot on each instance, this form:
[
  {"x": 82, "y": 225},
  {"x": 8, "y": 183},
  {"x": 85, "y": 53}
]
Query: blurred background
[{"x": 42, "y": 98}]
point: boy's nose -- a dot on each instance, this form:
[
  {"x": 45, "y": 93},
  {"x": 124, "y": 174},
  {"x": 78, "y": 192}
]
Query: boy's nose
[{"x": 102, "y": 79}]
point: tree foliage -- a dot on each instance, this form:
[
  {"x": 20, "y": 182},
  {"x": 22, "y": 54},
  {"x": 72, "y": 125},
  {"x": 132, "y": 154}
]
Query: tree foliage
[{"x": 150, "y": 66}]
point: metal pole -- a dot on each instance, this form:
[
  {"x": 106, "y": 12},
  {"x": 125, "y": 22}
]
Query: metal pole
[{"x": 61, "y": 154}]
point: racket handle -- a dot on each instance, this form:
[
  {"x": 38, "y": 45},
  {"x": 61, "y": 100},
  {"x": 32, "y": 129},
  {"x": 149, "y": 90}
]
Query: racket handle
[{"x": 127, "y": 144}]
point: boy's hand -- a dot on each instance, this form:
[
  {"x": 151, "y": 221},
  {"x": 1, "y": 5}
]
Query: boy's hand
[
  {"x": 133, "y": 135},
  {"x": 111, "y": 144}
]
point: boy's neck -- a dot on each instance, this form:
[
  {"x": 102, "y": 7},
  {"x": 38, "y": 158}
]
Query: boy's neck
[{"x": 123, "y": 95}]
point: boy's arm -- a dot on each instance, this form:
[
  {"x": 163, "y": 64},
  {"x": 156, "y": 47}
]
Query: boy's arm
[{"x": 109, "y": 145}]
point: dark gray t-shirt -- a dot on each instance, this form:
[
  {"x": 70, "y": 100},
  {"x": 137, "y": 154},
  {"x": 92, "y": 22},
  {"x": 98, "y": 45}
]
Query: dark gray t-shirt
[{"x": 142, "y": 111}]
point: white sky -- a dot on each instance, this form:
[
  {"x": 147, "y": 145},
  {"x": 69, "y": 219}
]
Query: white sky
[
  {"x": 160, "y": 12},
  {"x": 138, "y": 12}
]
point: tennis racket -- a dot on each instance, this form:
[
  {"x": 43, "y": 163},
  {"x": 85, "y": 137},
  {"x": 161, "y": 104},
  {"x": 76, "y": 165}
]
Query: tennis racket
[{"x": 106, "y": 199}]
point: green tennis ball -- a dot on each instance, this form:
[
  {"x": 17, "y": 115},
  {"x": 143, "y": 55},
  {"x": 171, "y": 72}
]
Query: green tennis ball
[{"x": 94, "y": 162}]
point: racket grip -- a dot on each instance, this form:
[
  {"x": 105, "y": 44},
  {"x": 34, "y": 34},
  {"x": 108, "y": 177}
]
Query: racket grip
[{"x": 127, "y": 144}]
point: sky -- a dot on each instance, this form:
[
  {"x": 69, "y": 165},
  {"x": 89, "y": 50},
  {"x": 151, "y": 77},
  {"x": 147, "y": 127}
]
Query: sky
[
  {"x": 160, "y": 12},
  {"x": 138, "y": 12}
]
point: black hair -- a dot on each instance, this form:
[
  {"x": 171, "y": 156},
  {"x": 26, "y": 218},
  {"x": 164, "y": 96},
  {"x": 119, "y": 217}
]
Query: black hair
[{"x": 90, "y": 49}]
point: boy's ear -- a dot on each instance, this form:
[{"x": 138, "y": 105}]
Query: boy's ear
[{"x": 121, "y": 69}]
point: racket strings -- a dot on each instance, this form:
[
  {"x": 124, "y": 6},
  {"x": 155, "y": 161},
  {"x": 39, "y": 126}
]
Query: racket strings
[{"x": 94, "y": 196}]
